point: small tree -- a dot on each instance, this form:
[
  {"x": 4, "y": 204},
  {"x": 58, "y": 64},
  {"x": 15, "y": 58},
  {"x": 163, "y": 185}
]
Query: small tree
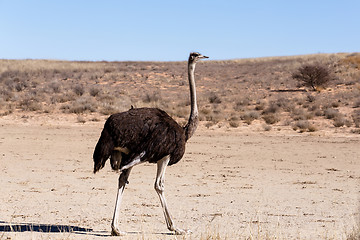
[{"x": 313, "y": 76}]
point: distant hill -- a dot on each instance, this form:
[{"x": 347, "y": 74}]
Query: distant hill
[{"x": 230, "y": 93}]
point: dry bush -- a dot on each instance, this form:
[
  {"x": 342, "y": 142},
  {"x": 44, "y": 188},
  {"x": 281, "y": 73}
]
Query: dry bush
[
  {"x": 15, "y": 79},
  {"x": 6, "y": 94},
  {"x": 357, "y": 104},
  {"x": 66, "y": 97},
  {"x": 241, "y": 104},
  {"x": 205, "y": 111},
  {"x": 312, "y": 128},
  {"x": 55, "y": 86},
  {"x": 81, "y": 119},
  {"x": 234, "y": 123},
  {"x": 356, "y": 131},
  {"x": 109, "y": 103},
  {"x": 285, "y": 103},
  {"x": 339, "y": 121},
  {"x": 313, "y": 107},
  {"x": 152, "y": 97},
  {"x": 356, "y": 118},
  {"x": 250, "y": 116},
  {"x": 331, "y": 113},
  {"x": 316, "y": 109},
  {"x": 181, "y": 111},
  {"x": 301, "y": 114},
  {"x": 209, "y": 124},
  {"x": 310, "y": 98},
  {"x": 272, "y": 108},
  {"x": 260, "y": 105},
  {"x": 301, "y": 124},
  {"x": 335, "y": 104},
  {"x": 313, "y": 76},
  {"x": 267, "y": 127},
  {"x": 271, "y": 118},
  {"x": 79, "y": 89},
  {"x": 30, "y": 105},
  {"x": 20, "y": 84},
  {"x": 94, "y": 91},
  {"x": 352, "y": 60},
  {"x": 108, "y": 110},
  {"x": 81, "y": 105},
  {"x": 214, "y": 117},
  {"x": 214, "y": 98}
]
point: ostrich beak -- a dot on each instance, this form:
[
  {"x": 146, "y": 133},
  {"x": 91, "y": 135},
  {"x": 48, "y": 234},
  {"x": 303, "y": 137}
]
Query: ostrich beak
[{"x": 202, "y": 56}]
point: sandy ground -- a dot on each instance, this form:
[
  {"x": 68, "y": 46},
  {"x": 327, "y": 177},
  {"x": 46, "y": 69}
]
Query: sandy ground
[{"x": 231, "y": 184}]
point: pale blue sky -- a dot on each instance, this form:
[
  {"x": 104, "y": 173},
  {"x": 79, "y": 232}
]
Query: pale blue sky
[{"x": 169, "y": 30}]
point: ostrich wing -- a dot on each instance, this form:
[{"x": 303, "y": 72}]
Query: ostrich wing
[{"x": 149, "y": 132}]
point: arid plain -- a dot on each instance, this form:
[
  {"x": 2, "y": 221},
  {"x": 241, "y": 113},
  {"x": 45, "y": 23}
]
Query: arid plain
[{"x": 238, "y": 179}]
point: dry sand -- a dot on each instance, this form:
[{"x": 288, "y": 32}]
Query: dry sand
[{"x": 231, "y": 183}]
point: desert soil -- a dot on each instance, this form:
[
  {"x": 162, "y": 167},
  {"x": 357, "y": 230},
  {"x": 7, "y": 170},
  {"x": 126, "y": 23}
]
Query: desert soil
[{"x": 231, "y": 184}]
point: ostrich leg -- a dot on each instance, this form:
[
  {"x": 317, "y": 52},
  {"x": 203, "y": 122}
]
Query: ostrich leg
[
  {"x": 115, "y": 222},
  {"x": 159, "y": 188}
]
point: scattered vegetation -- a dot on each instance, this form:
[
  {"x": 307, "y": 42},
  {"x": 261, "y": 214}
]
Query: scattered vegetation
[
  {"x": 304, "y": 125},
  {"x": 214, "y": 98},
  {"x": 250, "y": 116},
  {"x": 270, "y": 118},
  {"x": 243, "y": 95}
]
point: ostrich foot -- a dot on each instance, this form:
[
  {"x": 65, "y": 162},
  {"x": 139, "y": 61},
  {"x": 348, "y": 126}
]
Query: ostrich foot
[
  {"x": 179, "y": 231},
  {"x": 116, "y": 232}
]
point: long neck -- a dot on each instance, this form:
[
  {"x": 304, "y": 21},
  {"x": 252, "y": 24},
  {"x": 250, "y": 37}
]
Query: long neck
[{"x": 193, "y": 121}]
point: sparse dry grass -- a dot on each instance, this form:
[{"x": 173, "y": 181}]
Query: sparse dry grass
[{"x": 226, "y": 89}]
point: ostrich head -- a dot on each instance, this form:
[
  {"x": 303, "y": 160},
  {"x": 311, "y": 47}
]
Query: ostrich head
[{"x": 195, "y": 56}]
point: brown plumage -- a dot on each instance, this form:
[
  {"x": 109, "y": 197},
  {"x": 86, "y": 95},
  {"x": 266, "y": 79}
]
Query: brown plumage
[
  {"x": 139, "y": 130},
  {"x": 146, "y": 135}
]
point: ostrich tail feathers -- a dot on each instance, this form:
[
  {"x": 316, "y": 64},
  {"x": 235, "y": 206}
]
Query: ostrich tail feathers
[{"x": 102, "y": 150}]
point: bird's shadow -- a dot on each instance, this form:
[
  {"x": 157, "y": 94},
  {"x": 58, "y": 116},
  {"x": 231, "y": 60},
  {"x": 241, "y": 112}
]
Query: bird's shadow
[
  {"x": 57, "y": 228},
  {"x": 46, "y": 228}
]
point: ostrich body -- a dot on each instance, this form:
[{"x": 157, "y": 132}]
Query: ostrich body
[{"x": 146, "y": 135}]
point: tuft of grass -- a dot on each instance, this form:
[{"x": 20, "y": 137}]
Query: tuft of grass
[
  {"x": 339, "y": 121},
  {"x": 267, "y": 127},
  {"x": 81, "y": 119},
  {"x": 81, "y": 105},
  {"x": 250, "y": 116},
  {"x": 303, "y": 126},
  {"x": 301, "y": 114},
  {"x": 55, "y": 86},
  {"x": 79, "y": 89},
  {"x": 260, "y": 105},
  {"x": 151, "y": 97},
  {"x": 214, "y": 98},
  {"x": 234, "y": 123},
  {"x": 356, "y": 104},
  {"x": 271, "y": 118},
  {"x": 312, "y": 128},
  {"x": 356, "y": 118},
  {"x": 94, "y": 91},
  {"x": 331, "y": 113},
  {"x": 352, "y": 60},
  {"x": 30, "y": 103},
  {"x": 272, "y": 108}
]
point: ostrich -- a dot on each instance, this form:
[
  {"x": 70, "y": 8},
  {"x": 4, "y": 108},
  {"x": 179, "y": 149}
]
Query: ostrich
[{"x": 146, "y": 135}]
